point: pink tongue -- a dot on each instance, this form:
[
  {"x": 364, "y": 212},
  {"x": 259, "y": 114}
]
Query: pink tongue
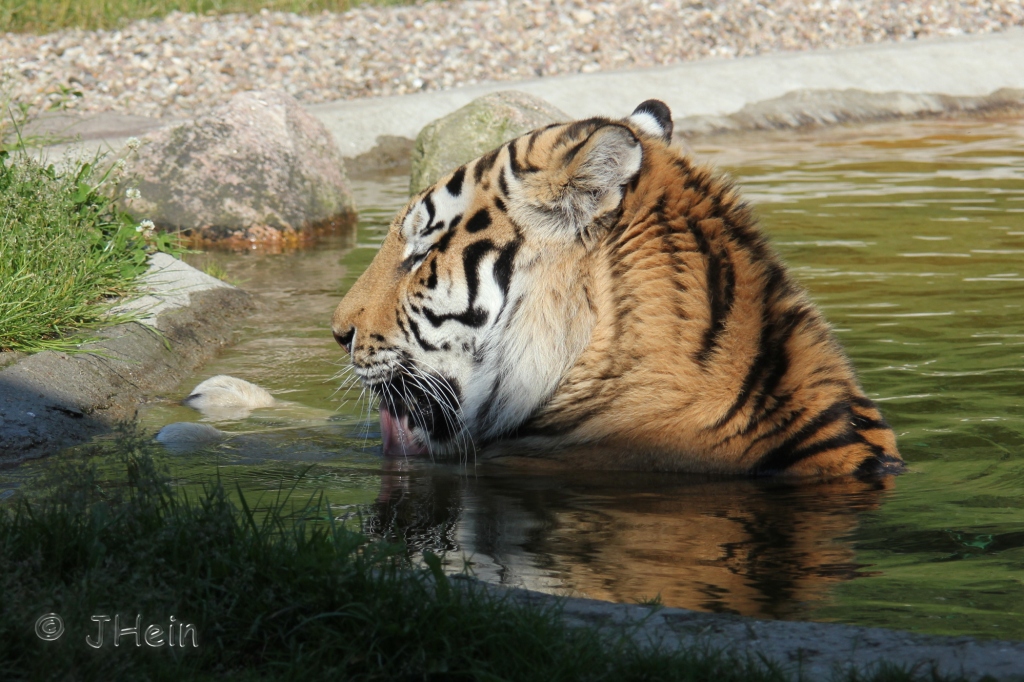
[{"x": 397, "y": 438}]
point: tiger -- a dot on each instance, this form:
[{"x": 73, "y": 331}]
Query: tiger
[{"x": 588, "y": 295}]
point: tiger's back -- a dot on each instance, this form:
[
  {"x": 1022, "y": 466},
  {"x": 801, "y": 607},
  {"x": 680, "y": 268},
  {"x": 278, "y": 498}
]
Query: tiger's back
[
  {"x": 659, "y": 328},
  {"x": 704, "y": 344}
]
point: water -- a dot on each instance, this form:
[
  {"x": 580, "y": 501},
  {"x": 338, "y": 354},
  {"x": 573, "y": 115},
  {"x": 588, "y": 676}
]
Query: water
[{"x": 911, "y": 238}]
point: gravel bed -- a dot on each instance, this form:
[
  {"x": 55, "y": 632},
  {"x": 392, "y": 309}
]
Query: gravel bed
[{"x": 185, "y": 63}]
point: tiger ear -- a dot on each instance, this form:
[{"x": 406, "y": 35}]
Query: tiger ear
[
  {"x": 654, "y": 118},
  {"x": 586, "y": 185}
]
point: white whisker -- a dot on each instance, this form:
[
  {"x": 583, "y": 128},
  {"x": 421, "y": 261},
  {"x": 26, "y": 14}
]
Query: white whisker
[
  {"x": 422, "y": 382},
  {"x": 446, "y": 397}
]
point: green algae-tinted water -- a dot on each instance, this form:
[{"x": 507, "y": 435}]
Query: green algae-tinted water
[{"x": 911, "y": 238}]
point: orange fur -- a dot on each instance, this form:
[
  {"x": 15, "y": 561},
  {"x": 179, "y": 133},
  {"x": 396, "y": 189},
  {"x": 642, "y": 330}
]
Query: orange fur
[{"x": 641, "y": 314}]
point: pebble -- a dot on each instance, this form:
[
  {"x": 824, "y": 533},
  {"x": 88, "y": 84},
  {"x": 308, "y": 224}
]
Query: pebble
[{"x": 184, "y": 64}]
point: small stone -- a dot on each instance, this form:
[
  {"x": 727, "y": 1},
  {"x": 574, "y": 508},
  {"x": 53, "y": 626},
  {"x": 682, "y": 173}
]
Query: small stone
[{"x": 584, "y": 17}]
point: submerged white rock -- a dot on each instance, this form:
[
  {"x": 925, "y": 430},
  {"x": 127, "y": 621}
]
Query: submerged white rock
[
  {"x": 224, "y": 397},
  {"x": 187, "y": 436}
]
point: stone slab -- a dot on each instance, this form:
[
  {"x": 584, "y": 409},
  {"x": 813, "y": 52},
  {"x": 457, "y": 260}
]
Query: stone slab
[
  {"x": 963, "y": 66},
  {"x": 168, "y": 285},
  {"x": 803, "y": 650},
  {"x": 52, "y": 400}
]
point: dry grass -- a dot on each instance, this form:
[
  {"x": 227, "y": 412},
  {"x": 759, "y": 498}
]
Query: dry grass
[{"x": 45, "y": 16}]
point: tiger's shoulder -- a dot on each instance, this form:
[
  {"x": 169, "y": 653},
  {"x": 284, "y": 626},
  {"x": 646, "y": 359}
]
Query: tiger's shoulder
[{"x": 704, "y": 343}]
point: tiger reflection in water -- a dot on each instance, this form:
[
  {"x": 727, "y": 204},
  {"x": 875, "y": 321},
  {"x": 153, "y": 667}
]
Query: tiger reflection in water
[
  {"x": 757, "y": 547},
  {"x": 750, "y": 547}
]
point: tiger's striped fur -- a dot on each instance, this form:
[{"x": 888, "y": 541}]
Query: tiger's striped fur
[{"x": 588, "y": 293}]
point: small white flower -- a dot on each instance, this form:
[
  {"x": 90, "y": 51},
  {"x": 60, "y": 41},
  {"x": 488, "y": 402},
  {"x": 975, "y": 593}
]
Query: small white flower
[
  {"x": 133, "y": 193},
  {"x": 132, "y": 143},
  {"x": 145, "y": 225}
]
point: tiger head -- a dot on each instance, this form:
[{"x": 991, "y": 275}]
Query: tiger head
[{"x": 480, "y": 299}]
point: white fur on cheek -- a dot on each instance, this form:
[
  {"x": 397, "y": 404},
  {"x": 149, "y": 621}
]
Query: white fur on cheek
[
  {"x": 446, "y": 209},
  {"x": 527, "y": 356},
  {"x": 535, "y": 331},
  {"x": 414, "y": 222}
]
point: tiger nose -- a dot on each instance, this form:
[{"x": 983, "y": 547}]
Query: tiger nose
[{"x": 345, "y": 338}]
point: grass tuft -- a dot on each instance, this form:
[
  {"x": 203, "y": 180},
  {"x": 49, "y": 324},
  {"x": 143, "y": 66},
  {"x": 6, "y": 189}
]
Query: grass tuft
[
  {"x": 67, "y": 253},
  {"x": 44, "y": 16},
  {"x": 275, "y": 590}
]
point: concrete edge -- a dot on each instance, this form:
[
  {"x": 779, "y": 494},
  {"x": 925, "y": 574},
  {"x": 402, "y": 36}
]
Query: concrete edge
[
  {"x": 803, "y": 109},
  {"x": 964, "y": 66},
  {"x": 962, "y": 75},
  {"x": 51, "y": 400},
  {"x": 804, "y": 650},
  {"x": 797, "y": 110}
]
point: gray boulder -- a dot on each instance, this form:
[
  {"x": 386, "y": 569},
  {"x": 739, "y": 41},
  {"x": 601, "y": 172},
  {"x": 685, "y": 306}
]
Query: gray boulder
[
  {"x": 259, "y": 170},
  {"x": 475, "y": 129},
  {"x": 390, "y": 156}
]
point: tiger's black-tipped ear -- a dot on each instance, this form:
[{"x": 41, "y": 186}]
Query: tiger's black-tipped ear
[{"x": 654, "y": 118}]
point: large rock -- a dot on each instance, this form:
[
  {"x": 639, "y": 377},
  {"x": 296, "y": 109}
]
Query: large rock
[
  {"x": 475, "y": 129},
  {"x": 259, "y": 170}
]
